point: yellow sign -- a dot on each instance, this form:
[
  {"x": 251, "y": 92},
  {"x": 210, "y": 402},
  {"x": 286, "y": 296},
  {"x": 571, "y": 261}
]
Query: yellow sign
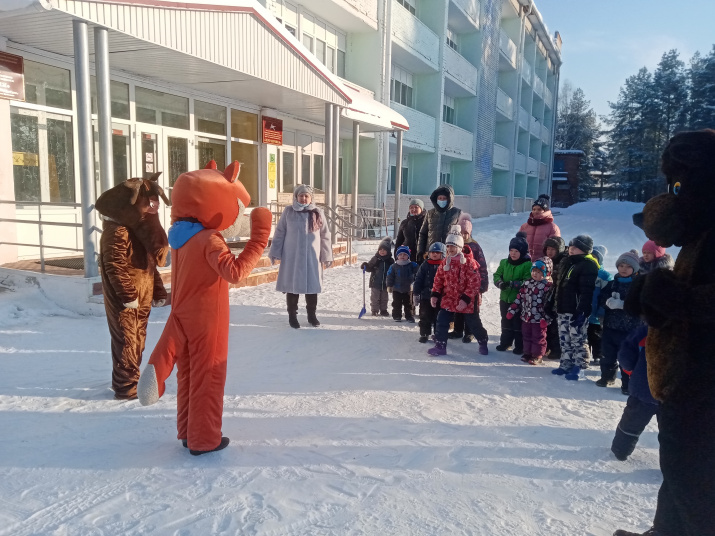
[
  {"x": 271, "y": 174},
  {"x": 25, "y": 159}
]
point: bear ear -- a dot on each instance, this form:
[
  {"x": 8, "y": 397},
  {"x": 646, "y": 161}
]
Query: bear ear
[
  {"x": 155, "y": 176},
  {"x": 134, "y": 185},
  {"x": 211, "y": 165},
  {"x": 232, "y": 171}
]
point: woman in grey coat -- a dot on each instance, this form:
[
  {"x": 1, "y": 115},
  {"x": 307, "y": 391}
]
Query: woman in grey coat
[{"x": 302, "y": 243}]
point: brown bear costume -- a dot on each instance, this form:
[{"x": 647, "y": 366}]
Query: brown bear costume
[
  {"x": 133, "y": 244},
  {"x": 679, "y": 307}
]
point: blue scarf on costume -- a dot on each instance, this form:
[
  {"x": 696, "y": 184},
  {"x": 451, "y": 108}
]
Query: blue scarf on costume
[{"x": 181, "y": 231}]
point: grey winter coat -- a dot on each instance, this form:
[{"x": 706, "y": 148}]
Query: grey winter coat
[
  {"x": 300, "y": 251},
  {"x": 438, "y": 220}
]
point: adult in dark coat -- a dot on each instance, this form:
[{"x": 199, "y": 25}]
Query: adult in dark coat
[
  {"x": 409, "y": 232},
  {"x": 438, "y": 220}
]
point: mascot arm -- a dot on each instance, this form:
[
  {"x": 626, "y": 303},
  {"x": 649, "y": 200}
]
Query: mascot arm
[
  {"x": 159, "y": 290},
  {"x": 116, "y": 264},
  {"x": 236, "y": 268},
  {"x": 326, "y": 246}
]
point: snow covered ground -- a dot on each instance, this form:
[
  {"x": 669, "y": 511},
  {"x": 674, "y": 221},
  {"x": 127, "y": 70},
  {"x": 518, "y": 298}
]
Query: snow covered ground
[{"x": 346, "y": 429}]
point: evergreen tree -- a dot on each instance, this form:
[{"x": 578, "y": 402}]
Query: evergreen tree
[{"x": 701, "y": 106}]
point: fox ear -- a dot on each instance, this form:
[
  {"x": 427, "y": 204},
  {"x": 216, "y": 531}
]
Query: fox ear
[
  {"x": 211, "y": 165},
  {"x": 232, "y": 171}
]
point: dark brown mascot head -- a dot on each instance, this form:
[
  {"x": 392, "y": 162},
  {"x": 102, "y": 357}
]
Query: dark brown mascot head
[
  {"x": 683, "y": 213},
  {"x": 135, "y": 204}
]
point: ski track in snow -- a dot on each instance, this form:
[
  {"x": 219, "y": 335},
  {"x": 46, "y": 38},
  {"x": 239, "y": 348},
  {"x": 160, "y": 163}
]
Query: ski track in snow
[{"x": 346, "y": 429}]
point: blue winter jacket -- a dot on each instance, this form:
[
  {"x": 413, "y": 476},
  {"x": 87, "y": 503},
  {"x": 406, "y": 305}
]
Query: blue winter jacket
[
  {"x": 632, "y": 358},
  {"x": 425, "y": 279},
  {"x": 401, "y": 276},
  {"x": 617, "y": 319},
  {"x": 603, "y": 278}
]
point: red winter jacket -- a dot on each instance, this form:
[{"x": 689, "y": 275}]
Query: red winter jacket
[
  {"x": 539, "y": 230},
  {"x": 458, "y": 280}
]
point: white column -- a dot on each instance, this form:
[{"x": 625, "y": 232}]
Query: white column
[
  {"x": 328, "y": 156},
  {"x": 356, "y": 166},
  {"x": 336, "y": 171},
  {"x": 398, "y": 180},
  {"x": 104, "y": 108}
]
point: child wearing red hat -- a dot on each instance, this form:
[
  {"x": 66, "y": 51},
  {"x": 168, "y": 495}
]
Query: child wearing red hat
[{"x": 654, "y": 256}]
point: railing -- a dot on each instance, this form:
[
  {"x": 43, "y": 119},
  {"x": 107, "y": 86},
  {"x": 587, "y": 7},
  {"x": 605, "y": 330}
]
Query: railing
[
  {"x": 40, "y": 223},
  {"x": 342, "y": 218},
  {"x": 505, "y": 104},
  {"x": 508, "y": 47}
]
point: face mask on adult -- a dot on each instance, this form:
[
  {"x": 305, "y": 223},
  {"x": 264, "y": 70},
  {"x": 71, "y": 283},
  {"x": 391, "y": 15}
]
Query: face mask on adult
[
  {"x": 303, "y": 205},
  {"x": 442, "y": 203}
]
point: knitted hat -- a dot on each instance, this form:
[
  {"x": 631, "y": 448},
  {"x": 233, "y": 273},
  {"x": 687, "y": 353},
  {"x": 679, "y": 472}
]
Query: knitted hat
[
  {"x": 542, "y": 201},
  {"x": 418, "y": 202},
  {"x": 555, "y": 242},
  {"x": 654, "y": 248},
  {"x": 519, "y": 243},
  {"x": 455, "y": 237},
  {"x": 386, "y": 244},
  {"x": 541, "y": 265},
  {"x": 582, "y": 242},
  {"x": 465, "y": 222},
  {"x": 599, "y": 252},
  {"x": 630, "y": 258},
  {"x": 402, "y": 249},
  {"x": 439, "y": 248},
  {"x": 303, "y": 189}
]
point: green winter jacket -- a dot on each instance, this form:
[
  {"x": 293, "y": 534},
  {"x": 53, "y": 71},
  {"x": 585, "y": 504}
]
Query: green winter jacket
[{"x": 512, "y": 273}]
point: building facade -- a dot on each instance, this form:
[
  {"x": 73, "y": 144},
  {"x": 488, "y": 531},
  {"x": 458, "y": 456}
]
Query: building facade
[
  {"x": 565, "y": 179},
  {"x": 468, "y": 86}
]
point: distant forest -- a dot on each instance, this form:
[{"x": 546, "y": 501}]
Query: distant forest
[{"x": 623, "y": 149}]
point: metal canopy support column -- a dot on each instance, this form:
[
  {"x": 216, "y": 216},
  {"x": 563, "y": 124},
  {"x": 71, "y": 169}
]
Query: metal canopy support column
[
  {"x": 104, "y": 108},
  {"x": 334, "y": 189},
  {"x": 398, "y": 180},
  {"x": 328, "y": 153},
  {"x": 356, "y": 162},
  {"x": 84, "y": 136}
]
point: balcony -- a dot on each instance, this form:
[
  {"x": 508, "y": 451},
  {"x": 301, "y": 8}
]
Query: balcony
[
  {"x": 456, "y": 142},
  {"x": 542, "y": 171},
  {"x": 507, "y": 48},
  {"x": 545, "y": 135},
  {"x": 460, "y": 71},
  {"x": 527, "y": 72},
  {"x": 500, "y": 157},
  {"x": 548, "y": 97},
  {"x": 505, "y": 104},
  {"x": 532, "y": 167},
  {"x": 520, "y": 163},
  {"x": 352, "y": 16},
  {"x": 415, "y": 46},
  {"x": 422, "y": 127},
  {"x": 524, "y": 118},
  {"x": 539, "y": 87},
  {"x": 471, "y": 9},
  {"x": 535, "y": 127}
]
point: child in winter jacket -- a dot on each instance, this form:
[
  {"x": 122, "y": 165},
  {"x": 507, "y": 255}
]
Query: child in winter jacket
[
  {"x": 465, "y": 224},
  {"x": 641, "y": 406},
  {"x": 530, "y": 301},
  {"x": 554, "y": 249},
  {"x": 400, "y": 277},
  {"x": 456, "y": 288},
  {"x": 573, "y": 298},
  {"x": 378, "y": 267},
  {"x": 654, "y": 256},
  {"x": 617, "y": 323},
  {"x": 510, "y": 275},
  {"x": 422, "y": 289},
  {"x": 595, "y": 330}
]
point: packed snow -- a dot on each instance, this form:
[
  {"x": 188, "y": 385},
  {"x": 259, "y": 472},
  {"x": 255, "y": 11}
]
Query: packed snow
[{"x": 350, "y": 428}]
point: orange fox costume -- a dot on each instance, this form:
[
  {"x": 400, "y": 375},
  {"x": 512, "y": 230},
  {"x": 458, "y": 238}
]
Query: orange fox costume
[{"x": 196, "y": 333}]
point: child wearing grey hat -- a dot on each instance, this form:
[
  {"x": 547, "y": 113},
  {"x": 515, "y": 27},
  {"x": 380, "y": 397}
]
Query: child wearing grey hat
[{"x": 617, "y": 323}]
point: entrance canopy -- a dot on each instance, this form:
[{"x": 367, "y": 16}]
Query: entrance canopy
[{"x": 237, "y": 51}]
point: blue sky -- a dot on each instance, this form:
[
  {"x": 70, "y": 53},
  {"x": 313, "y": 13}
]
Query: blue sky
[{"x": 606, "y": 41}]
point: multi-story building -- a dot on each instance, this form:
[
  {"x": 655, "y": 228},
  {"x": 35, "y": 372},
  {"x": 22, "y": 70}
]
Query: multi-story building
[{"x": 469, "y": 86}]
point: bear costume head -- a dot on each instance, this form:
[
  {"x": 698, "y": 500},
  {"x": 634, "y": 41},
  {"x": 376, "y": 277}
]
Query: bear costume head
[
  {"x": 683, "y": 213},
  {"x": 135, "y": 204},
  {"x": 216, "y": 200}
]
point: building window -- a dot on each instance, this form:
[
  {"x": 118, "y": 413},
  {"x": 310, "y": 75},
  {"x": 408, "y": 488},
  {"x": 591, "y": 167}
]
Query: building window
[
  {"x": 409, "y": 5},
  {"x": 318, "y": 171},
  {"x": 559, "y": 166},
  {"x": 119, "y": 96},
  {"x": 308, "y": 42},
  {"x": 157, "y": 108},
  {"x": 244, "y": 125},
  {"x": 330, "y": 59},
  {"x": 325, "y": 42},
  {"x": 445, "y": 173},
  {"x": 320, "y": 50},
  {"x": 452, "y": 39},
  {"x": 208, "y": 149},
  {"x": 209, "y": 118},
  {"x": 47, "y": 85},
  {"x": 247, "y": 155},
  {"x": 448, "y": 115},
  {"x": 393, "y": 178},
  {"x": 401, "y": 86},
  {"x": 341, "y": 64}
]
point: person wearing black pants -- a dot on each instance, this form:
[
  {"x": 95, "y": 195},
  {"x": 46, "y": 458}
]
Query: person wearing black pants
[
  {"x": 510, "y": 329},
  {"x": 311, "y": 304}
]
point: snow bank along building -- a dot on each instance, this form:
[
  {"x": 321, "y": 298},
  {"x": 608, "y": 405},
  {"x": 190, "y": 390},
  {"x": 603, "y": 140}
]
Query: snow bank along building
[{"x": 346, "y": 95}]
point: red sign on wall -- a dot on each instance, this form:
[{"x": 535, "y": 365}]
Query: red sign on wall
[
  {"x": 12, "y": 77},
  {"x": 272, "y": 131}
]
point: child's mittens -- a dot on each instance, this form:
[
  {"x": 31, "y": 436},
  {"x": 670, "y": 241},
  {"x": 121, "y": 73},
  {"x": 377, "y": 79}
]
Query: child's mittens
[
  {"x": 509, "y": 315},
  {"x": 389, "y": 289},
  {"x": 516, "y": 284},
  {"x": 501, "y": 285},
  {"x": 363, "y": 266},
  {"x": 543, "y": 324},
  {"x": 615, "y": 301},
  {"x": 433, "y": 301}
]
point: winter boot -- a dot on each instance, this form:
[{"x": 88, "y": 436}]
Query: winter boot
[
  {"x": 483, "y": 349},
  {"x": 384, "y": 313},
  {"x": 455, "y": 335},
  {"x": 649, "y": 532},
  {"x": 423, "y": 339},
  {"x": 410, "y": 319},
  {"x": 468, "y": 338},
  {"x": 440, "y": 348},
  {"x": 311, "y": 304},
  {"x": 573, "y": 373},
  {"x": 559, "y": 371},
  {"x": 605, "y": 382},
  {"x": 536, "y": 360},
  {"x": 292, "y": 304},
  {"x": 525, "y": 358},
  {"x": 518, "y": 350},
  {"x": 224, "y": 443},
  {"x": 502, "y": 347}
]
